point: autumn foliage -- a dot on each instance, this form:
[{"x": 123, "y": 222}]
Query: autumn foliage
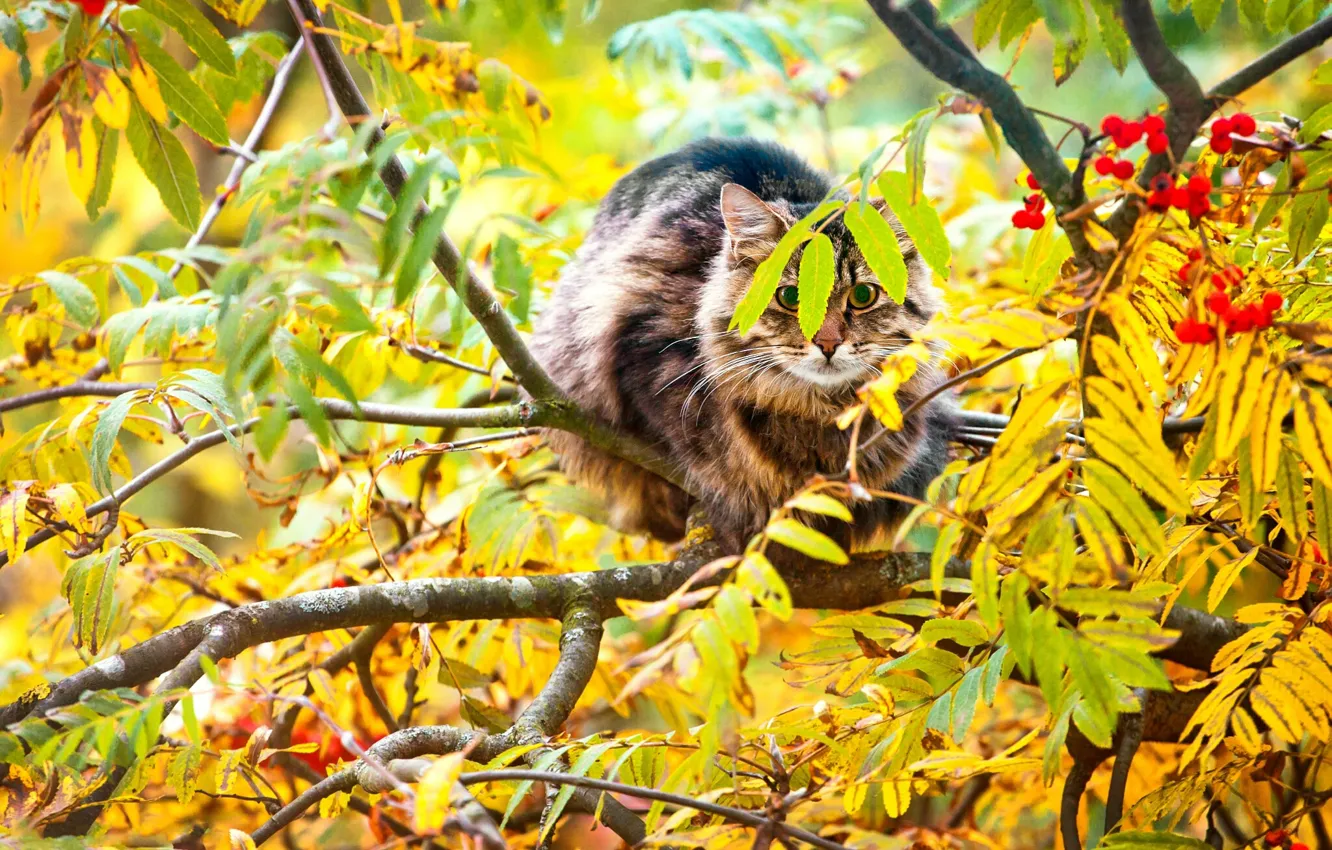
[{"x": 372, "y": 613}]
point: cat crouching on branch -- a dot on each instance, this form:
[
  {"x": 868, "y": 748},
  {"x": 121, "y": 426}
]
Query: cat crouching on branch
[{"x": 637, "y": 334}]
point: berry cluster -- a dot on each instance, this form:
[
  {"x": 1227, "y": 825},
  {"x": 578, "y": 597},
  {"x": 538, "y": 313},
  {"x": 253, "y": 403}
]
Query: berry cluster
[
  {"x": 1241, "y": 124},
  {"x": 1235, "y": 318},
  {"x": 94, "y": 8},
  {"x": 1193, "y": 195},
  {"x": 1280, "y": 837},
  {"x": 1030, "y": 216},
  {"x": 1105, "y": 165}
]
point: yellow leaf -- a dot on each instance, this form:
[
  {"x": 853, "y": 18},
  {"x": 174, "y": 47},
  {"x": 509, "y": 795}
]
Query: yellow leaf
[
  {"x": 110, "y": 97},
  {"x": 240, "y": 840},
  {"x": 434, "y": 791},
  {"x": 30, "y": 177},
  {"x": 1137, "y": 341},
  {"x": 1237, "y": 392},
  {"x": 80, "y": 151},
  {"x": 1226, "y": 577},
  {"x": 1291, "y": 497},
  {"x": 228, "y": 769},
  {"x": 70, "y": 503},
  {"x": 13, "y": 522},
  {"x": 1116, "y": 365},
  {"x": 818, "y": 503},
  {"x": 1113, "y": 492},
  {"x": 1246, "y": 731},
  {"x": 881, "y": 394},
  {"x": 806, "y": 540},
  {"x": 1022, "y": 446},
  {"x": 896, "y": 797},
  {"x": 145, "y": 85},
  {"x": 1265, "y": 438},
  {"x": 1313, "y": 425},
  {"x": 1145, "y": 461}
]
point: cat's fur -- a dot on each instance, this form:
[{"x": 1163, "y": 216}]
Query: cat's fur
[{"x": 637, "y": 333}]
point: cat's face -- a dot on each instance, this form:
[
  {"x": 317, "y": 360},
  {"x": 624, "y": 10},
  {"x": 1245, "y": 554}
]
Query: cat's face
[{"x": 774, "y": 364}]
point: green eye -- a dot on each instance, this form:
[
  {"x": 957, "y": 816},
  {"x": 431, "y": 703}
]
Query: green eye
[
  {"x": 788, "y": 297},
  {"x": 863, "y": 295}
]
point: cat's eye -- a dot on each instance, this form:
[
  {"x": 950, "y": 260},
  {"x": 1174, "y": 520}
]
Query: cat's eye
[
  {"x": 788, "y": 297},
  {"x": 863, "y": 295}
]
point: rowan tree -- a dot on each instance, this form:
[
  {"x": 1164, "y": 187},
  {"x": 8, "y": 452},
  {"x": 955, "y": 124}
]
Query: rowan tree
[{"x": 1109, "y": 622}]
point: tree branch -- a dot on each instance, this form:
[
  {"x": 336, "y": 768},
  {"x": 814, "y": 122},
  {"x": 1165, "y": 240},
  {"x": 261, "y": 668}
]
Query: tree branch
[
  {"x": 1130, "y": 738},
  {"x": 338, "y": 82},
  {"x": 1271, "y": 62}
]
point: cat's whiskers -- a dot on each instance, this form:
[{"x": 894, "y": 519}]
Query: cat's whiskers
[
  {"x": 762, "y": 358},
  {"x": 704, "y": 363},
  {"x": 736, "y": 381}
]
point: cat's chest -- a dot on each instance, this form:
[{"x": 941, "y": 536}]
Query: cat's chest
[{"x": 799, "y": 446}]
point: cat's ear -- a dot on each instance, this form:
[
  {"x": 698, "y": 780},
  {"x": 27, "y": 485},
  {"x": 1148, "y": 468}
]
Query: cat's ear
[{"x": 754, "y": 228}]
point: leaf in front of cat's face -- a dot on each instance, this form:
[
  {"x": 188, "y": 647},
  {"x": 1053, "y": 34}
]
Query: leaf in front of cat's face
[
  {"x": 816, "y": 283},
  {"x": 921, "y": 221},
  {"x": 878, "y": 245},
  {"x": 769, "y": 272}
]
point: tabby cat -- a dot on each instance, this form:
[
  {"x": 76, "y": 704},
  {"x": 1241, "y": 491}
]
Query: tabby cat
[{"x": 637, "y": 333}]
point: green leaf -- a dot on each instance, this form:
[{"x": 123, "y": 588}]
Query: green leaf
[
  {"x": 167, "y": 166},
  {"x": 79, "y": 302},
  {"x": 1205, "y": 12},
  {"x": 878, "y": 243},
  {"x": 748, "y": 32},
  {"x": 1090, "y": 678},
  {"x": 513, "y": 276},
  {"x": 961, "y": 632},
  {"x": 769, "y": 272},
  {"x": 417, "y": 258},
  {"x": 1017, "y": 619},
  {"x": 1290, "y": 495},
  {"x": 179, "y": 538},
  {"x": 271, "y": 429},
  {"x": 121, "y": 329},
  {"x": 806, "y": 540},
  {"x": 1322, "y": 508},
  {"x": 735, "y": 612},
  {"x": 996, "y": 671},
  {"x": 964, "y": 702},
  {"x": 818, "y": 503},
  {"x": 404, "y": 213},
  {"x": 1114, "y": 40},
  {"x": 917, "y": 130},
  {"x": 108, "y": 145},
  {"x": 952, "y": 11},
  {"x": 195, "y": 30},
  {"x": 921, "y": 221},
  {"x": 1308, "y": 214},
  {"x": 182, "y": 95},
  {"x": 94, "y": 614},
  {"x": 104, "y": 437},
  {"x": 816, "y": 283},
  {"x": 985, "y": 583}
]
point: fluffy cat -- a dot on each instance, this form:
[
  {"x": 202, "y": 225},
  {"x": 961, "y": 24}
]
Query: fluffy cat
[{"x": 637, "y": 333}]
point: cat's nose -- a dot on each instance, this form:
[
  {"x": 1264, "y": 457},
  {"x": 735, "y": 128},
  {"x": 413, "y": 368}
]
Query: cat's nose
[{"x": 828, "y": 347}]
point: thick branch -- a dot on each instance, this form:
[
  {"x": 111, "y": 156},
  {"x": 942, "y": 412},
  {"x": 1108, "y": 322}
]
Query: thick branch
[{"x": 1271, "y": 62}]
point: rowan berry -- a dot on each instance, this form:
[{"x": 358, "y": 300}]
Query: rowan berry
[
  {"x": 1221, "y": 144},
  {"x": 1111, "y": 125},
  {"x": 1275, "y": 837},
  {"x": 1195, "y": 254},
  {"x": 1200, "y": 184},
  {"x": 1153, "y": 124},
  {"x": 1218, "y": 302},
  {"x": 1158, "y": 142},
  {"x": 1243, "y": 124},
  {"x": 1037, "y": 220},
  {"x": 1222, "y": 127},
  {"x": 1032, "y": 183},
  {"x": 1104, "y": 165},
  {"x": 1220, "y": 281},
  {"x": 1124, "y": 169},
  {"x": 92, "y": 8},
  {"x": 1272, "y": 301},
  {"x": 1130, "y": 134},
  {"x": 1180, "y": 198},
  {"x": 1199, "y": 206},
  {"x": 1159, "y": 199}
]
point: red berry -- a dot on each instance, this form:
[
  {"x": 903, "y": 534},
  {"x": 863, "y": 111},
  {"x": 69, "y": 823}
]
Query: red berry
[
  {"x": 1021, "y": 219},
  {"x": 1104, "y": 165},
  {"x": 1200, "y": 184},
  {"x": 1220, "y": 281},
  {"x": 1153, "y": 124},
  {"x": 1037, "y": 220},
  {"x": 338, "y": 581},
  {"x": 1263, "y": 320},
  {"x": 1206, "y": 334},
  {"x": 1158, "y": 199},
  {"x": 1185, "y": 272},
  {"x": 1272, "y": 301},
  {"x": 1235, "y": 272},
  {"x": 1195, "y": 254},
  {"x": 1179, "y": 198},
  {"x": 1218, "y": 302},
  {"x": 1243, "y": 124},
  {"x": 1199, "y": 206},
  {"x": 1130, "y": 134},
  {"x": 1111, "y": 125},
  {"x": 1221, "y": 144},
  {"x": 1034, "y": 202},
  {"x": 1222, "y": 127},
  {"x": 93, "y": 8},
  {"x": 1184, "y": 330},
  {"x": 1275, "y": 837},
  {"x": 1032, "y": 182},
  {"x": 1299, "y": 845},
  {"x": 1124, "y": 170},
  {"x": 1158, "y": 142},
  {"x": 1241, "y": 319}
]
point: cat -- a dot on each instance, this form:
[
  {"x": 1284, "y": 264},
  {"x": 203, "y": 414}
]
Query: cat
[{"x": 636, "y": 333}]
